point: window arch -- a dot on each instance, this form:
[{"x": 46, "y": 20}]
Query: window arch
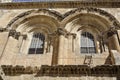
[
  {"x": 37, "y": 44},
  {"x": 87, "y": 43}
]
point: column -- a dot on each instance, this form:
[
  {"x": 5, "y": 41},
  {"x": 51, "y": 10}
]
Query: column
[
  {"x": 55, "y": 43},
  {"x": 61, "y": 50},
  {"x": 115, "y": 37},
  {"x": 113, "y": 40},
  {"x": 20, "y": 40}
]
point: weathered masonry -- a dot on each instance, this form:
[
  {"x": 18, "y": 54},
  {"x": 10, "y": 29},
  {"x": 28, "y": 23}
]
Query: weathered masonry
[{"x": 60, "y": 40}]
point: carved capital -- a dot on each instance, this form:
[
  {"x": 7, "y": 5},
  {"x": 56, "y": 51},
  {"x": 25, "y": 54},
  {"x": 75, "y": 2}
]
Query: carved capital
[
  {"x": 111, "y": 32},
  {"x": 24, "y": 37},
  {"x": 2, "y": 29},
  {"x": 62, "y": 31},
  {"x": 14, "y": 34},
  {"x": 73, "y": 34}
]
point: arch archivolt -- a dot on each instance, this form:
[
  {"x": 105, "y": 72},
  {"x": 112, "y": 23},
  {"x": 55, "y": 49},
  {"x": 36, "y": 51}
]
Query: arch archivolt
[
  {"x": 98, "y": 18},
  {"x": 50, "y": 22},
  {"x": 91, "y": 19},
  {"x": 88, "y": 19},
  {"x": 103, "y": 15},
  {"x": 36, "y": 21}
]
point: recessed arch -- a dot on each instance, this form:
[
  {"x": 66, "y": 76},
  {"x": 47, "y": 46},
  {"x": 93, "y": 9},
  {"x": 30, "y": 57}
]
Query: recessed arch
[
  {"x": 49, "y": 18},
  {"x": 89, "y": 16}
]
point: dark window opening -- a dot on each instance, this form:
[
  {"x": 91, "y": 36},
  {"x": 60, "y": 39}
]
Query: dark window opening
[
  {"x": 87, "y": 43},
  {"x": 37, "y": 44}
]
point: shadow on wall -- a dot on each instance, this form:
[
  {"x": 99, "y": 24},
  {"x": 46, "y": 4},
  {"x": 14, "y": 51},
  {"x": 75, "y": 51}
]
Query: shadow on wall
[{"x": 1, "y": 78}]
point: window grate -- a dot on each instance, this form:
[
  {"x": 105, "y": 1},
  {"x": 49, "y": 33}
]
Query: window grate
[
  {"x": 37, "y": 44},
  {"x": 87, "y": 43}
]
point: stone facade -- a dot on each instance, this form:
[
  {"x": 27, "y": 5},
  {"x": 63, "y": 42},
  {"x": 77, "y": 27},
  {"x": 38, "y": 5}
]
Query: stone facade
[{"x": 61, "y": 57}]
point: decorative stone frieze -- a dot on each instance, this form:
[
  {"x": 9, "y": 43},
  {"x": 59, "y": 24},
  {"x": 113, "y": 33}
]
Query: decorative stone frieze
[
  {"x": 60, "y": 4},
  {"x": 95, "y": 10},
  {"x": 16, "y": 70},
  {"x": 61, "y": 17},
  {"x": 63, "y": 70},
  {"x": 79, "y": 70},
  {"x": 52, "y": 13}
]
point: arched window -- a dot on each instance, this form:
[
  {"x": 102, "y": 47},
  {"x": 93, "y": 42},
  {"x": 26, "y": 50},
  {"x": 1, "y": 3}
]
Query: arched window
[
  {"x": 87, "y": 43},
  {"x": 37, "y": 44}
]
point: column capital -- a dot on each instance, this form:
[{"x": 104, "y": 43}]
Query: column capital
[
  {"x": 3, "y": 29},
  {"x": 14, "y": 34},
  {"x": 111, "y": 32},
  {"x": 24, "y": 36}
]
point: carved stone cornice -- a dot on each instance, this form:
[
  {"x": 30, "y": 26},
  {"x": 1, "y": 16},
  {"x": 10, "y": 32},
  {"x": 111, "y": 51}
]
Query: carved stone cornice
[
  {"x": 18, "y": 70},
  {"x": 61, "y": 4},
  {"x": 63, "y": 70},
  {"x": 79, "y": 70}
]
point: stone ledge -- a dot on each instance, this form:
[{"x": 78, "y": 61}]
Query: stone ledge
[
  {"x": 63, "y": 70},
  {"x": 59, "y": 4},
  {"x": 79, "y": 70}
]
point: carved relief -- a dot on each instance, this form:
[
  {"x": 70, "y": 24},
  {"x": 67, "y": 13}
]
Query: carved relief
[
  {"x": 62, "y": 70},
  {"x": 14, "y": 34},
  {"x": 95, "y": 10},
  {"x": 3, "y": 29},
  {"x": 60, "y": 17},
  {"x": 49, "y": 12},
  {"x": 111, "y": 32}
]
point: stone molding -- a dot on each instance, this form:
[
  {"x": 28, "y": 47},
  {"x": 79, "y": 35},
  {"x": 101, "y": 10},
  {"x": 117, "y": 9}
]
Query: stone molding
[
  {"x": 95, "y": 10},
  {"x": 63, "y": 70},
  {"x": 60, "y": 4},
  {"x": 79, "y": 70},
  {"x": 61, "y": 17},
  {"x": 52, "y": 13}
]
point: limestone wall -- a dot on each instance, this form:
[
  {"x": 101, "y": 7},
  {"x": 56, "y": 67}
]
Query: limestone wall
[
  {"x": 31, "y": 77},
  {"x": 11, "y": 55}
]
